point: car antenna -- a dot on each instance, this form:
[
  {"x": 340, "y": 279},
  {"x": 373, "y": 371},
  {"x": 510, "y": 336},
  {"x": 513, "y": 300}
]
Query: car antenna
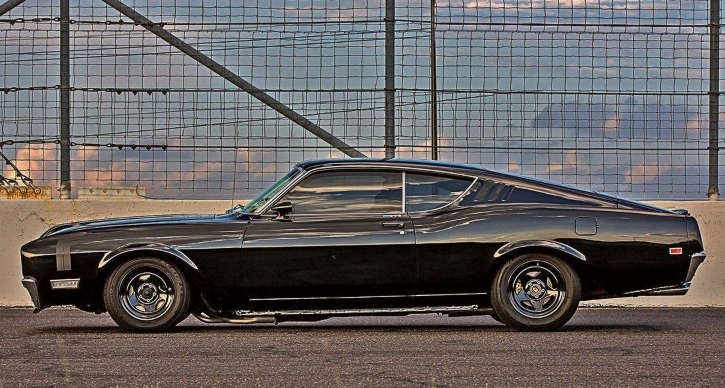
[{"x": 18, "y": 175}]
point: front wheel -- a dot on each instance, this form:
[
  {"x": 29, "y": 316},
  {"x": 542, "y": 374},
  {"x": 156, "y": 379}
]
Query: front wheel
[
  {"x": 147, "y": 294},
  {"x": 535, "y": 292}
]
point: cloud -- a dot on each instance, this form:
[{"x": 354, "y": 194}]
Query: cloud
[
  {"x": 645, "y": 174},
  {"x": 570, "y": 163},
  {"x": 514, "y": 168},
  {"x": 531, "y": 3},
  {"x": 171, "y": 173},
  {"x": 653, "y": 118},
  {"x": 372, "y": 9},
  {"x": 38, "y": 161}
]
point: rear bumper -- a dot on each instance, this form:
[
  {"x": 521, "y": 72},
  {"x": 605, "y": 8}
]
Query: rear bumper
[
  {"x": 695, "y": 260},
  {"x": 668, "y": 291},
  {"x": 680, "y": 289},
  {"x": 31, "y": 285}
]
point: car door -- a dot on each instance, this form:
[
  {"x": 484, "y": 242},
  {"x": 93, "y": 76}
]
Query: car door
[
  {"x": 346, "y": 243},
  {"x": 447, "y": 261}
]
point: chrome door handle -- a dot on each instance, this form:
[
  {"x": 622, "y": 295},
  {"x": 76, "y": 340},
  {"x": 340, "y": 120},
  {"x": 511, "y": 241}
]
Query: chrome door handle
[{"x": 393, "y": 224}]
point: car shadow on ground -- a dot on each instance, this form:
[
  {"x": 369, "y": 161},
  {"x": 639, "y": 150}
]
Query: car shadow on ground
[{"x": 338, "y": 328}]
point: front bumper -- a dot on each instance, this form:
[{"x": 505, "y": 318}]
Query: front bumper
[
  {"x": 31, "y": 285},
  {"x": 695, "y": 260}
]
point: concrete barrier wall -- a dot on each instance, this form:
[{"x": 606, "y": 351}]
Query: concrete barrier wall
[{"x": 26, "y": 220}]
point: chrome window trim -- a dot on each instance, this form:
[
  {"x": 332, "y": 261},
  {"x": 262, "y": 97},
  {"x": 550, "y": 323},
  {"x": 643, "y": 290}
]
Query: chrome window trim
[
  {"x": 307, "y": 173},
  {"x": 403, "y": 169},
  {"x": 394, "y": 168},
  {"x": 292, "y": 183},
  {"x": 403, "y": 192}
]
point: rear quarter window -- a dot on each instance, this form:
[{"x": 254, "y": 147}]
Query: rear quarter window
[
  {"x": 427, "y": 192},
  {"x": 496, "y": 192}
]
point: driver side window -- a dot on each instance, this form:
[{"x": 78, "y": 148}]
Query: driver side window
[{"x": 348, "y": 192}]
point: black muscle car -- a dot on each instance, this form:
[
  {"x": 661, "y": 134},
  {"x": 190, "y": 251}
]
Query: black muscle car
[{"x": 371, "y": 237}]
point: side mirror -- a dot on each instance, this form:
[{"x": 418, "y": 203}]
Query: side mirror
[{"x": 283, "y": 209}]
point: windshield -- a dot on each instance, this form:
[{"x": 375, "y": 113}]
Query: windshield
[{"x": 258, "y": 202}]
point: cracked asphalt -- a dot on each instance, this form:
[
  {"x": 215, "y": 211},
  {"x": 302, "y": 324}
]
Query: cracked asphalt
[{"x": 599, "y": 347}]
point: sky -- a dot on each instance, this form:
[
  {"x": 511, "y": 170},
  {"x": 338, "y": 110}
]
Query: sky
[{"x": 604, "y": 95}]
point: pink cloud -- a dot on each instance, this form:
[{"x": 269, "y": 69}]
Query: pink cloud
[
  {"x": 38, "y": 161},
  {"x": 529, "y": 4},
  {"x": 642, "y": 174}
]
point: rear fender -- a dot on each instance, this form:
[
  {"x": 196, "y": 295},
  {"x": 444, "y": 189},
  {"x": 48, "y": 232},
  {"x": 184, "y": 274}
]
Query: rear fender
[
  {"x": 527, "y": 245},
  {"x": 513, "y": 249}
]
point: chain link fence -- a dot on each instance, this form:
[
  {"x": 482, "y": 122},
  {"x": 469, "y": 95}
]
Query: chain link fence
[{"x": 607, "y": 95}]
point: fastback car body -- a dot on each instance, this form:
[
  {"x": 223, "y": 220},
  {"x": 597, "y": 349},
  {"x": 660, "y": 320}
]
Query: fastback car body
[{"x": 366, "y": 236}]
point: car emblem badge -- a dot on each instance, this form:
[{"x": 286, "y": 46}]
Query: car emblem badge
[{"x": 675, "y": 251}]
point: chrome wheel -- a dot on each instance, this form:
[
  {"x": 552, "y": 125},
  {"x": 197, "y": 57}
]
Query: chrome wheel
[
  {"x": 146, "y": 296},
  {"x": 535, "y": 290}
]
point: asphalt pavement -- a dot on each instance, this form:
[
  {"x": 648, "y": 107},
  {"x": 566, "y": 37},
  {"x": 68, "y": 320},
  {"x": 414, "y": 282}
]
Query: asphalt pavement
[{"x": 599, "y": 347}]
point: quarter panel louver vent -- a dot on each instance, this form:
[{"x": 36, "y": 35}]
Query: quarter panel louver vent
[{"x": 494, "y": 192}]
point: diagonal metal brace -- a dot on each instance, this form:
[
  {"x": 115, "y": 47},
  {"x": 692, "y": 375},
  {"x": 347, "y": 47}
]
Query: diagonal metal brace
[
  {"x": 8, "y": 5},
  {"x": 234, "y": 79}
]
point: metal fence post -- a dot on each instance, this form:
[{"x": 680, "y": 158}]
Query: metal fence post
[
  {"x": 389, "y": 78},
  {"x": 712, "y": 191},
  {"x": 714, "y": 104},
  {"x": 64, "y": 99},
  {"x": 433, "y": 84}
]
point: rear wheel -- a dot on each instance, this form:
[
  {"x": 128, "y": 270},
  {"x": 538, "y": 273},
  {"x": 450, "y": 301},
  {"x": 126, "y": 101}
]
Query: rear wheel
[
  {"x": 147, "y": 294},
  {"x": 535, "y": 292}
]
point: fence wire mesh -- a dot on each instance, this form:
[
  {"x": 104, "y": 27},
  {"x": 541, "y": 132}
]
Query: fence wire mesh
[{"x": 607, "y": 95}]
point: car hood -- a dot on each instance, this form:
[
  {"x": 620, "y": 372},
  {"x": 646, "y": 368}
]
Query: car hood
[{"x": 128, "y": 221}]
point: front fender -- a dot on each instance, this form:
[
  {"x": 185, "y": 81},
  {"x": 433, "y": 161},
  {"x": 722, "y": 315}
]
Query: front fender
[
  {"x": 545, "y": 244},
  {"x": 165, "y": 250}
]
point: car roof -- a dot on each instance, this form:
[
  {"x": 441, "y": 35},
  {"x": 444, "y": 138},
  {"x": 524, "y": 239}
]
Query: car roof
[
  {"x": 392, "y": 162},
  {"x": 473, "y": 170}
]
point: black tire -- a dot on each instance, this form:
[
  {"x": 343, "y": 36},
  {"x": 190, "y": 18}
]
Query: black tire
[
  {"x": 147, "y": 294},
  {"x": 535, "y": 292}
]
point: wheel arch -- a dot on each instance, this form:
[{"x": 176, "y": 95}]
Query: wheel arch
[
  {"x": 115, "y": 258},
  {"x": 568, "y": 254}
]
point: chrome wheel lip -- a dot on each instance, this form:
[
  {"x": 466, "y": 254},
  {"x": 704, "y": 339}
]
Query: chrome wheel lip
[
  {"x": 536, "y": 289},
  {"x": 158, "y": 295}
]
